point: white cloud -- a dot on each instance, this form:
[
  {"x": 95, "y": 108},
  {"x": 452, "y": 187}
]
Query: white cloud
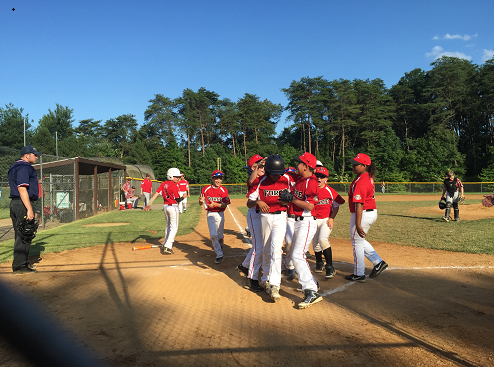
[
  {"x": 438, "y": 52},
  {"x": 447, "y": 36},
  {"x": 488, "y": 54}
]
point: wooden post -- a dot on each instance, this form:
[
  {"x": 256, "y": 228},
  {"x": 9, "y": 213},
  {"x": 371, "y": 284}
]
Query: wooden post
[
  {"x": 95, "y": 194},
  {"x": 76, "y": 178}
]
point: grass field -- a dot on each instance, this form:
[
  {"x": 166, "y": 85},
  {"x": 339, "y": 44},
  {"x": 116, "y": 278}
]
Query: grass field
[{"x": 394, "y": 225}]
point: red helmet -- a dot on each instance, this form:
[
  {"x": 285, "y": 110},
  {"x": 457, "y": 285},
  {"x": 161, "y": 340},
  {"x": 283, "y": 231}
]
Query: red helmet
[
  {"x": 290, "y": 170},
  {"x": 254, "y": 159},
  {"x": 216, "y": 173}
]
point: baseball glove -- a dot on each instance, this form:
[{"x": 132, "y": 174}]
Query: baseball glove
[
  {"x": 285, "y": 196},
  {"x": 27, "y": 229},
  {"x": 488, "y": 201},
  {"x": 462, "y": 199}
]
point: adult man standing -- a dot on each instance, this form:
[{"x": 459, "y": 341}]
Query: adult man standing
[
  {"x": 146, "y": 189},
  {"x": 24, "y": 192},
  {"x": 183, "y": 190}
]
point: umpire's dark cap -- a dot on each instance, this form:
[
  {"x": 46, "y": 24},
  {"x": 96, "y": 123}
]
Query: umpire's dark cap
[{"x": 29, "y": 149}]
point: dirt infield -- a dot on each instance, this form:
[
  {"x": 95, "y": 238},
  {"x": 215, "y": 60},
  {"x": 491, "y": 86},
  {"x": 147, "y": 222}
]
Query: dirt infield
[{"x": 141, "y": 308}]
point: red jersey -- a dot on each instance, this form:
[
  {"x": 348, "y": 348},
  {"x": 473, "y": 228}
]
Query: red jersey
[
  {"x": 253, "y": 186},
  {"x": 183, "y": 185},
  {"x": 169, "y": 191},
  {"x": 305, "y": 189},
  {"x": 269, "y": 191},
  {"x": 328, "y": 199},
  {"x": 146, "y": 185},
  {"x": 216, "y": 195},
  {"x": 362, "y": 191}
]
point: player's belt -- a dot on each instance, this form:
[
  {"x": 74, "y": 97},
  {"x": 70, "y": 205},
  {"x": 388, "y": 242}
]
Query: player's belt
[
  {"x": 171, "y": 204},
  {"x": 276, "y": 212},
  {"x": 291, "y": 216},
  {"x": 306, "y": 218},
  {"x": 369, "y": 210}
]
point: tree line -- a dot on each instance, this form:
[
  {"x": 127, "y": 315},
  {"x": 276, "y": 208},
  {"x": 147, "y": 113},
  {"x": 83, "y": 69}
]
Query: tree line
[{"x": 428, "y": 123}]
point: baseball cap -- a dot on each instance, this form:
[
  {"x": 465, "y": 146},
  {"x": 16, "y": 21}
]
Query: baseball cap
[
  {"x": 29, "y": 149},
  {"x": 254, "y": 159},
  {"x": 307, "y": 158},
  {"x": 319, "y": 164},
  {"x": 360, "y": 158},
  {"x": 129, "y": 179},
  {"x": 147, "y": 174},
  {"x": 217, "y": 173},
  {"x": 321, "y": 171}
]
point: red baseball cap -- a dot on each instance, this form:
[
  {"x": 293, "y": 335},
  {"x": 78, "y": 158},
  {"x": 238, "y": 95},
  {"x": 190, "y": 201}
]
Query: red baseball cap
[
  {"x": 254, "y": 159},
  {"x": 307, "y": 158},
  {"x": 361, "y": 158},
  {"x": 321, "y": 171},
  {"x": 217, "y": 173}
]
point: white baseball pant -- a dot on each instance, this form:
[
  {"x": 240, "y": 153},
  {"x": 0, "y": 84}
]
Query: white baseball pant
[
  {"x": 147, "y": 197},
  {"x": 273, "y": 232},
  {"x": 216, "y": 224},
  {"x": 304, "y": 231},
  {"x": 361, "y": 247},
  {"x": 171, "y": 215},
  {"x": 253, "y": 260},
  {"x": 320, "y": 242},
  {"x": 183, "y": 204},
  {"x": 290, "y": 227},
  {"x": 453, "y": 199}
]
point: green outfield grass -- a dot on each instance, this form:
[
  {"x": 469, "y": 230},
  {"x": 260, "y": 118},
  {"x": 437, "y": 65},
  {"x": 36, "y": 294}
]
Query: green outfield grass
[
  {"x": 395, "y": 224},
  {"x": 75, "y": 235}
]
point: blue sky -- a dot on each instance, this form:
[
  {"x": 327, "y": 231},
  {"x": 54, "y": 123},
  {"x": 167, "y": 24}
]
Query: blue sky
[{"x": 107, "y": 58}]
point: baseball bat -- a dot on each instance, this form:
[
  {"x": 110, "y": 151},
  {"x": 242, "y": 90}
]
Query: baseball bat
[{"x": 144, "y": 247}]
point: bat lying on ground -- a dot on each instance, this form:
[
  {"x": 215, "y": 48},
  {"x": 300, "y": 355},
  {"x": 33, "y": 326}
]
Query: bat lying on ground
[{"x": 144, "y": 247}]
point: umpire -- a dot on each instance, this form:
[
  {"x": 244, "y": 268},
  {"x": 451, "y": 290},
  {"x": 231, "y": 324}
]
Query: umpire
[{"x": 23, "y": 182}]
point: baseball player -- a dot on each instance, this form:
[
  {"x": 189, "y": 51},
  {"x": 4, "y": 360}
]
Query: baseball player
[
  {"x": 171, "y": 198},
  {"x": 251, "y": 270},
  {"x": 325, "y": 211},
  {"x": 305, "y": 194},
  {"x": 215, "y": 199},
  {"x": 183, "y": 190},
  {"x": 146, "y": 189},
  {"x": 290, "y": 226},
  {"x": 451, "y": 186},
  {"x": 273, "y": 222},
  {"x": 363, "y": 215}
]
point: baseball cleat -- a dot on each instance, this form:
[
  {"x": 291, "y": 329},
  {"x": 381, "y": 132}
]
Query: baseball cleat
[
  {"x": 290, "y": 273},
  {"x": 308, "y": 255},
  {"x": 253, "y": 285},
  {"x": 274, "y": 292},
  {"x": 242, "y": 270},
  {"x": 24, "y": 270},
  {"x": 166, "y": 250},
  {"x": 378, "y": 269},
  {"x": 358, "y": 278},
  {"x": 310, "y": 298},
  {"x": 319, "y": 267},
  {"x": 218, "y": 260},
  {"x": 247, "y": 232},
  {"x": 299, "y": 289},
  {"x": 330, "y": 271}
]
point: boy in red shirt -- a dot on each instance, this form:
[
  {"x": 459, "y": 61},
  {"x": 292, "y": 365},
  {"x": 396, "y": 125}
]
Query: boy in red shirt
[
  {"x": 146, "y": 188},
  {"x": 273, "y": 222},
  {"x": 171, "y": 198},
  {"x": 215, "y": 200},
  {"x": 183, "y": 189},
  {"x": 305, "y": 194}
]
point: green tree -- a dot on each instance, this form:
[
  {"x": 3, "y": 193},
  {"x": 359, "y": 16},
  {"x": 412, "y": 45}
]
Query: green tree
[
  {"x": 120, "y": 132},
  {"x": 58, "y": 122},
  {"x": 12, "y": 127},
  {"x": 88, "y": 128}
]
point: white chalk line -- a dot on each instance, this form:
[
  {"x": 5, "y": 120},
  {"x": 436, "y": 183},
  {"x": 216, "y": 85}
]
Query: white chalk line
[{"x": 246, "y": 239}]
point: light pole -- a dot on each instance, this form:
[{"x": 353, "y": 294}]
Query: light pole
[{"x": 24, "y": 132}]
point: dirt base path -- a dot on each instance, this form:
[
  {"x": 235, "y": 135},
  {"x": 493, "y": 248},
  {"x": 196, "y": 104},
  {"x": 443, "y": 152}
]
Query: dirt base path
[{"x": 142, "y": 308}]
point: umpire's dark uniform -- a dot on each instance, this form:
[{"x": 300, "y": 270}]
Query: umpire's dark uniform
[{"x": 23, "y": 175}]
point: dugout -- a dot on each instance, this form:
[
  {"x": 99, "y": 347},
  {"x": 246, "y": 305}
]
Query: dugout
[{"x": 75, "y": 188}]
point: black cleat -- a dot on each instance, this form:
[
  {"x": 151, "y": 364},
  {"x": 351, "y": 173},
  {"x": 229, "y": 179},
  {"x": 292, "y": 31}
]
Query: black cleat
[
  {"x": 24, "y": 270},
  {"x": 378, "y": 269},
  {"x": 330, "y": 271},
  {"x": 319, "y": 267},
  {"x": 242, "y": 270},
  {"x": 357, "y": 278},
  {"x": 253, "y": 285}
]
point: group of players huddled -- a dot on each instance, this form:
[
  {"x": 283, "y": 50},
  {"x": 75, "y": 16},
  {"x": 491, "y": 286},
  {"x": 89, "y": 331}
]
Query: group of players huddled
[
  {"x": 289, "y": 206},
  {"x": 297, "y": 207}
]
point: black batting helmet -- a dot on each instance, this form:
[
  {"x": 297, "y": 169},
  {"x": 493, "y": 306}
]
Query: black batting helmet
[
  {"x": 442, "y": 204},
  {"x": 274, "y": 165}
]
